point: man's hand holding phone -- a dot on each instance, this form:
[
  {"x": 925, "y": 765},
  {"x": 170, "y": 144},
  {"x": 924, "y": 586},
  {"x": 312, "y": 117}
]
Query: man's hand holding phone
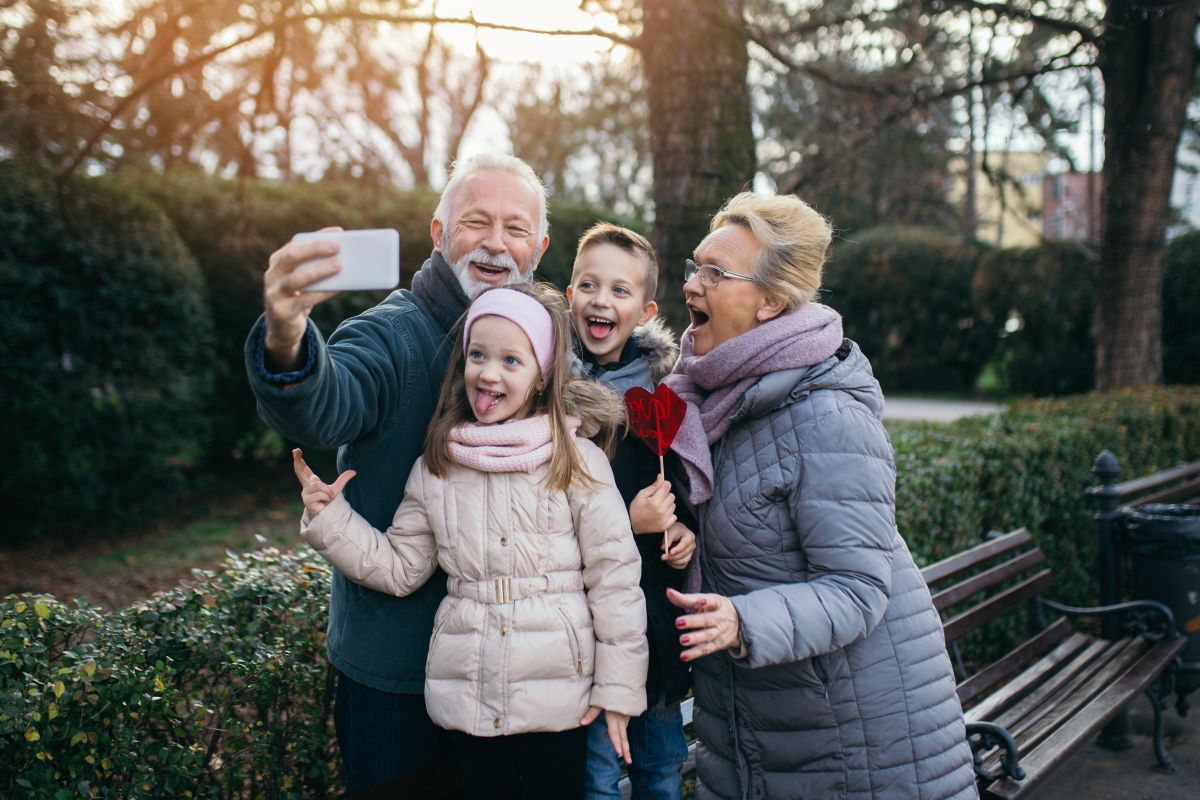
[{"x": 312, "y": 268}]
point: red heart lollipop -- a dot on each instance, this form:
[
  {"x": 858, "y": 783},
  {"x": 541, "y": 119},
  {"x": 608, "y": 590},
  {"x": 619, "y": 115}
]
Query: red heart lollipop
[{"x": 655, "y": 418}]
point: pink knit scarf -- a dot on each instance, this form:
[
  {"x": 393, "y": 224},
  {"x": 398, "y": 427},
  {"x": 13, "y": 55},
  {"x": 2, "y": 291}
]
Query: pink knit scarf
[
  {"x": 516, "y": 446},
  {"x": 714, "y": 384}
]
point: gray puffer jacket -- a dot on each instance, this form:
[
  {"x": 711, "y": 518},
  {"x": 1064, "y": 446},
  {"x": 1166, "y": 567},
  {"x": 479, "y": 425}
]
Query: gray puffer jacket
[{"x": 846, "y": 690}]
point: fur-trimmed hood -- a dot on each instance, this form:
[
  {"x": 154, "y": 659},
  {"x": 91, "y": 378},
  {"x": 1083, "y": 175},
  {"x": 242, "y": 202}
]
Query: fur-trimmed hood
[
  {"x": 598, "y": 408},
  {"x": 659, "y": 346}
]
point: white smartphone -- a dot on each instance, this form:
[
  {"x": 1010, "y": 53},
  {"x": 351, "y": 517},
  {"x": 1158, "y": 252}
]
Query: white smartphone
[{"x": 370, "y": 259}]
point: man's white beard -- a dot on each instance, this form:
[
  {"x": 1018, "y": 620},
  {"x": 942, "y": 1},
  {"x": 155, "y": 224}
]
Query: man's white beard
[{"x": 462, "y": 268}]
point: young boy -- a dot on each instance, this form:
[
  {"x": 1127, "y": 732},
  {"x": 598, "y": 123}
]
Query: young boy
[{"x": 622, "y": 345}]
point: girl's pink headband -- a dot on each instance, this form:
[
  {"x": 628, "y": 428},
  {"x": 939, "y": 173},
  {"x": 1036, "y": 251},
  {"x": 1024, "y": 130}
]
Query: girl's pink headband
[{"x": 522, "y": 310}]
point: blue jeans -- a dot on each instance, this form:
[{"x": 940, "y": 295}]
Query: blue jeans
[{"x": 658, "y": 748}]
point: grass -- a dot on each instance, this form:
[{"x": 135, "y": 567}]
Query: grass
[
  {"x": 249, "y": 507},
  {"x": 204, "y": 541}
]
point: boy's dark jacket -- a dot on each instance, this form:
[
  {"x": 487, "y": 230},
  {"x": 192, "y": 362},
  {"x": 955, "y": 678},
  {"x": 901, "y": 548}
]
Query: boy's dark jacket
[{"x": 647, "y": 357}]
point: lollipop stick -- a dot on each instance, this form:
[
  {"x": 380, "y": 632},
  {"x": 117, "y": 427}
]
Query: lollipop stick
[{"x": 662, "y": 473}]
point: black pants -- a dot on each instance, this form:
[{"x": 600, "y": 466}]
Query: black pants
[
  {"x": 523, "y": 766},
  {"x": 383, "y": 736}
]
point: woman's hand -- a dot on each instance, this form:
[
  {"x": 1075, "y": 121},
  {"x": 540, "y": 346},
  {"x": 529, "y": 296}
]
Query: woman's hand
[
  {"x": 618, "y": 730},
  {"x": 315, "y": 493},
  {"x": 679, "y": 544},
  {"x": 712, "y": 625},
  {"x": 653, "y": 508}
]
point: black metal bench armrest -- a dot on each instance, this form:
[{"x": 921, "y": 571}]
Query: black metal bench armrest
[
  {"x": 1144, "y": 616},
  {"x": 983, "y": 736}
]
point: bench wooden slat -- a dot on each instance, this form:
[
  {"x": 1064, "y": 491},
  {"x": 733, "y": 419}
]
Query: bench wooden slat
[
  {"x": 986, "y": 580},
  {"x": 1138, "y": 485},
  {"x": 1069, "y": 737},
  {"x": 1184, "y": 493},
  {"x": 969, "y": 559},
  {"x": 1014, "y": 662},
  {"x": 994, "y": 607},
  {"x": 1062, "y": 697},
  {"x": 1028, "y": 681}
]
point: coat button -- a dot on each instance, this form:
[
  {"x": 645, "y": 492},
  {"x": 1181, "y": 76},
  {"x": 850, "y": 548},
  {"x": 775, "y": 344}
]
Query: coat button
[
  {"x": 496, "y": 723},
  {"x": 503, "y": 631},
  {"x": 503, "y": 540}
]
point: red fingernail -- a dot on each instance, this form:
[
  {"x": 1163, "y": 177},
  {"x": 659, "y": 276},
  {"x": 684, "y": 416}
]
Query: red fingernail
[
  {"x": 684, "y": 657},
  {"x": 703, "y": 601},
  {"x": 684, "y": 639},
  {"x": 681, "y": 623}
]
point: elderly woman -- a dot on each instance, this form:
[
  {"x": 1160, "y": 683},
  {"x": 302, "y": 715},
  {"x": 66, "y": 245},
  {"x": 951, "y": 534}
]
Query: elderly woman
[{"x": 820, "y": 670}]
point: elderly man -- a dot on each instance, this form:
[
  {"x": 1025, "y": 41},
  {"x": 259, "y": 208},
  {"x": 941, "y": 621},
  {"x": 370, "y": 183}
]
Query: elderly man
[{"x": 371, "y": 392}]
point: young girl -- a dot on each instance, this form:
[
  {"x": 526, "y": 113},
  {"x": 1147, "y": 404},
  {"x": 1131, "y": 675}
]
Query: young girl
[{"x": 544, "y": 624}]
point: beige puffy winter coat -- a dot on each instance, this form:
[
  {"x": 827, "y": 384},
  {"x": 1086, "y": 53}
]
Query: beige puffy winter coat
[{"x": 518, "y": 645}]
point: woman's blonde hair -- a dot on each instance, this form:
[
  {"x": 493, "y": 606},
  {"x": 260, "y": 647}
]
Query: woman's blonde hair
[
  {"x": 794, "y": 238},
  {"x": 562, "y": 395}
]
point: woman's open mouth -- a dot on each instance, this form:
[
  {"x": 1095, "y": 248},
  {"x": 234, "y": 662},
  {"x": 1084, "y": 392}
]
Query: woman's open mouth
[{"x": 698, "y": 317}]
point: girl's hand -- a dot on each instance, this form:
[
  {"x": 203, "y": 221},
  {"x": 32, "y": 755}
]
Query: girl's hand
[
  {"x": 618, "y": 730},
  {"x": 313, "y": 491},
  {"x": 712, "y": 625},
  {"x": 653, "y": 508},
  {"x": 679, "y": 545}
]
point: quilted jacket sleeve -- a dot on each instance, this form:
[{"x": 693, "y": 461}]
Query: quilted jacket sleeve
[
  {"x": 398, "y": 562},
  {"x": 612, "y": 570},
  {"x": 842, "y": 505}
]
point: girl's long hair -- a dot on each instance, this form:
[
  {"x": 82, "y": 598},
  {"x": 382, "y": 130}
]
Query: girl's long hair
[{"x": 564, "y": 394}]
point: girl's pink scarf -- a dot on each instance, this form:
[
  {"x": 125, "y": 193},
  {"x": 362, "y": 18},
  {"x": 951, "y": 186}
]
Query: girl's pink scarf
[
  {"x": 517, "y": 446},
  {"x": 714, "y": 384}
]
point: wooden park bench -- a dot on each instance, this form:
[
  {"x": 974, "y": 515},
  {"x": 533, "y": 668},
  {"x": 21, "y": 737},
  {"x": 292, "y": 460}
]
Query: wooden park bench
[{"x": 1030, "y": 709}]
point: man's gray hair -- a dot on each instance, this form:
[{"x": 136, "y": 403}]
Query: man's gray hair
[{"x": 502, "y": 163}]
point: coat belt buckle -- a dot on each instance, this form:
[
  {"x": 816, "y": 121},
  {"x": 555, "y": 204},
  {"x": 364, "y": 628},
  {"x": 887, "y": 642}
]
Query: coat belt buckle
[{"x": 503, "y": 588}]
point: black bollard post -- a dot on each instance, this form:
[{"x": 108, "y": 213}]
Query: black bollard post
[{"x": 1115, "y": 735}]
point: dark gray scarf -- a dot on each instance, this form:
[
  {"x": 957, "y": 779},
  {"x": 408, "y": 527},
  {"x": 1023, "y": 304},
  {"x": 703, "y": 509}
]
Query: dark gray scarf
[{"x": 436, "y": 286}]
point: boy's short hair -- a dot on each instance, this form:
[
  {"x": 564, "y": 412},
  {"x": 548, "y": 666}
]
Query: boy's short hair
[{"x": 630, "y": 241}]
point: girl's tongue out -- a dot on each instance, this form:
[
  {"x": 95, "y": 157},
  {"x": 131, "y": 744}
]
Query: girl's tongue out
[
  {"x": 485, "y": 401},
  {"x": 599, "y": 329}
]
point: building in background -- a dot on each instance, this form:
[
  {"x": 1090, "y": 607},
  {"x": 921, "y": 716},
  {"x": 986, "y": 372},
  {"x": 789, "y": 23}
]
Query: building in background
[
  {"x": 1008, "y": 197},
  {"x": 1071, "y": 207}
]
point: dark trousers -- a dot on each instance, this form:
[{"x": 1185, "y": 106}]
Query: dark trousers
[
  {"x": 383, "y": 736},
  {"x": 523, "y": 766}
]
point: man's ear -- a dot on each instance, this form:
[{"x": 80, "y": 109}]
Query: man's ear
[
  {"x": 770, "y": 308},
  {"x": 648, "y": 312},
  {"x": 542, "y": 251},
  {"x": 435, "y": 233}
]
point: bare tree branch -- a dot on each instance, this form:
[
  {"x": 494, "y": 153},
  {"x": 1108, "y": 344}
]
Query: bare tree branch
[
  {"x": 425, "y": 19},
  {"x": 203, "y": 58},
  {"x": 1013, "y": 11},
  {"x": 1053, "y": 65},
  {"x": 923, "y": 96}
]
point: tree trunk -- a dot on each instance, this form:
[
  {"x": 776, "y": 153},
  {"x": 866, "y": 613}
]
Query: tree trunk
[
  {"x": 701, "y": 139},
  {"x": 1147, "y": 59}
]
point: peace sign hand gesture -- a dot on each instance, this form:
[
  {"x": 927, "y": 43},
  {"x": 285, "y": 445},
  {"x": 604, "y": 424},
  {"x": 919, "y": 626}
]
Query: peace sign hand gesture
[{"x": 315, "y": 493}]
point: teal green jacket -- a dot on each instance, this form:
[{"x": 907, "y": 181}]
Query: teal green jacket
[{"x": 371, "y": 392}]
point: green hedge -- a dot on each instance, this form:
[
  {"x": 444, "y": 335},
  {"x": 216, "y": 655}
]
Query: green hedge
[
  {"x": 905, "y": 296},
  {"x": 220, "y": 690},
  {"x": 1181, "y": 299},
  {"x": 1049, "y": 289},
  {"x": 107, "y": 351},
  {"x": 1029, "y": 467}
]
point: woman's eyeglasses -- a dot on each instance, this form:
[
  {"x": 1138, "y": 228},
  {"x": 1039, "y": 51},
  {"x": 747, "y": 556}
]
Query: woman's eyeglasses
[{"x": 710, "y": 276}]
